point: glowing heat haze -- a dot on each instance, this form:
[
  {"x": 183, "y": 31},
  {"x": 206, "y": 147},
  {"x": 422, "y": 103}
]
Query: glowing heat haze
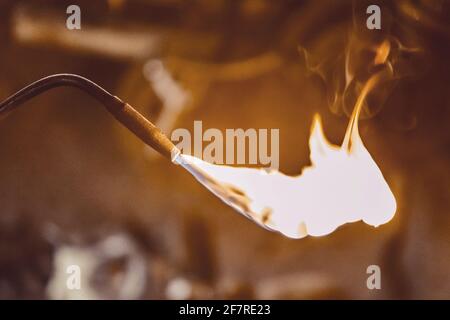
[{"x": 343, "y": 184}]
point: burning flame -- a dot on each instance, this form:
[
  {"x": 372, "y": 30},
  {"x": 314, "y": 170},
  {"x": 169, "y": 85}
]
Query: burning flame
[{"x": 342, "y": 185}]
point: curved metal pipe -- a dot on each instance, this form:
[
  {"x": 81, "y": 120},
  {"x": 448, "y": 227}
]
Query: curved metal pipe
[{"x": 123, "y": 112}]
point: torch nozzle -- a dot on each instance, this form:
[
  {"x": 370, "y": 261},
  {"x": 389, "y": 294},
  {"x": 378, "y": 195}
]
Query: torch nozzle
[{"x": 123, "y": 112}]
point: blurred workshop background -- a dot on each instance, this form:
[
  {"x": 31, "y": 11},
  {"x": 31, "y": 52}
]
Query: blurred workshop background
[{"x": 78, "y": 188}]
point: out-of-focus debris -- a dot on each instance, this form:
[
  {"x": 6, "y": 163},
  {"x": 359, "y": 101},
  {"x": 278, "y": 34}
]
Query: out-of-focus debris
[
  {"x": 179, "y": 289},
  {"x": 298, "y": 286},
  {"x": 234, "y": 288},
  {"x": 48, "y": 28},
  {"x": 183, "y": 289},
  {"x": 112, "y": 268},
  {"x": 174, "y": 98}
]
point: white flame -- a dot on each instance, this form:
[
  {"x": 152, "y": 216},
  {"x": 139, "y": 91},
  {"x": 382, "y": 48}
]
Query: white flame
[{"x": 342, "y": 185}]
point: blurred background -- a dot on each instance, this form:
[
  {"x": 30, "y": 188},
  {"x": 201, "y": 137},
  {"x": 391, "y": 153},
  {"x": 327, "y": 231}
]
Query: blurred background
[{"x": 78, "y": 188}]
